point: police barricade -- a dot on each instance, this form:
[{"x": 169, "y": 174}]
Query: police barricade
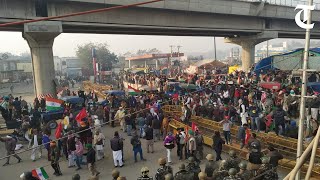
[
  {"x": 286, "y": 146},
  {"x": 242, "y": 153}
]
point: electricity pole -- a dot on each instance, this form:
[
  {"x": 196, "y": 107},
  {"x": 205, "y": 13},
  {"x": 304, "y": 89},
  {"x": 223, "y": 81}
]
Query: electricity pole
[
  {"x": 179, "y": 50},
  {"x": 303, "y": 91},
  {"x": 170, "y": 61},
  {"x": 179, "y": 57}
]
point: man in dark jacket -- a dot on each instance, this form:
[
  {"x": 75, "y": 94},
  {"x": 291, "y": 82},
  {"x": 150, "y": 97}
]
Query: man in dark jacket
[
  {"x": 274, "y": 156},
  {"x": 136, "y": 144},
  {"x": 149, "y": 137},
  {"x": 279, "y": 119},
  {"x": 156, "y": 125},
  {"x": 117, "y": 146},
  {"x": 17, "y": 106},
  {"x": 91, "y": 160},
  {"x": 10, "y": 144}
]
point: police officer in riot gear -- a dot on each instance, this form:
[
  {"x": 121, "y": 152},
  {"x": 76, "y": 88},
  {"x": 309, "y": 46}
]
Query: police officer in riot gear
[
  {"x": 244, "y": 174},
  {"x": 266, "y": 168},
  {"x": 233, "y": 161},
  {"x": 183, "y": 174},
  {"x": 193, "y": 167},
  {"x": 163, "y": 170},
  {"x": 232, "y": 175},
  {"x": 210, "y": 166},
  {"x": 145, "y": 174}
]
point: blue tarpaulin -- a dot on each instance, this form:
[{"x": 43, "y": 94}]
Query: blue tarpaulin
[{"x": 284, "y": 61}]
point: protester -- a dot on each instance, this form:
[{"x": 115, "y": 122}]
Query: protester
[
  {"x": 136, "y": 144},
  {"x": 91, "y": 160},
  {"x": 98, "y": 141},
  {"x": 55, "y": 157},
  {"x": 78, "y": 153},
  {"x": 226, "y": 126},
  {"x": 169, "y": 142},
  {"x": 149, "y": 138},
  {"x": 116, "y": 144},
  {"x": 217, "y": 145},
  {"x": 10, "y": 145}
]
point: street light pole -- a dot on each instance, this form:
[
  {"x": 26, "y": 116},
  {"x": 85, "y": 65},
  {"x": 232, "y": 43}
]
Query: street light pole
[
  {"x": 215, "y": 48},
  {"x": 179, "y": 57},
  {"x": 303, "y": 90},
  {"x": 170, "y": 57},
  {"x": 267, "y": 48}
]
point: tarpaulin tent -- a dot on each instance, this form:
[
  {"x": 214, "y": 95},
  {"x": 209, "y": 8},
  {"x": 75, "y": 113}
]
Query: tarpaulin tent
[
  {"x": 289, "y": 61},
  {"x": 206, "y": 63}
]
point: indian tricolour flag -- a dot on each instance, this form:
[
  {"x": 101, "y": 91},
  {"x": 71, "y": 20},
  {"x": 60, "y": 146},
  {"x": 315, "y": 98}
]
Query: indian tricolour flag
[
  {"x": 40, "y": 173},
  {"x": 133, "y": 91},
  {"x": 53, "y": 104}
]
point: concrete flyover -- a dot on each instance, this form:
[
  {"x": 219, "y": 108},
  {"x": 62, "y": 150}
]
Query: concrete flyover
[{"x": 224, "y": 18}]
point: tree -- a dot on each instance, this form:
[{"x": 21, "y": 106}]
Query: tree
[
  {"x": 104, "y": 56},
  {"x": 141, "y": 52},
  {"x": 154, "y": 51}
]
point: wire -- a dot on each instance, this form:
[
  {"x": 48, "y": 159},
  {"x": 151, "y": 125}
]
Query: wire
[
  {"x": 75, "y": 133},
  {"x": 29, "y": 149},
  {"x": 78, "y": 13}
]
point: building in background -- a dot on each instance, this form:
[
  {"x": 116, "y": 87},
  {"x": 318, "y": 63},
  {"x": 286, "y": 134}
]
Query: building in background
[
  {"x": 69, "y": 66},
  {"x": 270, "y": 50},
  {"x": 15, "y": 68},
  {"x": 59, "y": 65},
  {"x": 27, "y": 69},
  {"x": 152, "y": 61},
  {"x": 234, "y": 57}
]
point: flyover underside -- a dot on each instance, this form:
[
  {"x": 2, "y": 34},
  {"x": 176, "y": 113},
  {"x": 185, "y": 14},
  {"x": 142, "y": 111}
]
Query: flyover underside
[
  {"x": 150, "y": 21},
  {"x": 98, "y": 28}
]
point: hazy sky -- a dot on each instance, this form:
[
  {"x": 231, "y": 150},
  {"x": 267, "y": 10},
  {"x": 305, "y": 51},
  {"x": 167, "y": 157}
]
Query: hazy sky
[{"x": 66, "y": 44}]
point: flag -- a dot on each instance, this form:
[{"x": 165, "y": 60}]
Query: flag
[
  {"x": 194, "y": 127},
  {"x": 248, "y": 136},
  {"x": 58, "y": 131},
  {"x": 133, "y": 91},
  {"x": 40, "y": 173},
  {"x": 53, "y": 104},
  {"x": 82, "y": 114}
]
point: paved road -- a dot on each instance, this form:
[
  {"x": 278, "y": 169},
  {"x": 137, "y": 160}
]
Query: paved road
[{"x": 131, "y": 170}]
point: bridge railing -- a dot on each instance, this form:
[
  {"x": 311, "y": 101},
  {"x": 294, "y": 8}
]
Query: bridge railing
[{"x": 290, "y": 3}]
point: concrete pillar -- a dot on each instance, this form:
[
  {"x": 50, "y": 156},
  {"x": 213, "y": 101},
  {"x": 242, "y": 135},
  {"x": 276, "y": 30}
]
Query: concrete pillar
[
  {"x": 247, "y": 54},
  {"x": 157, "y": 64},
  {"x": 248, "y": 44},
  {"x": 40, "y": 37}
]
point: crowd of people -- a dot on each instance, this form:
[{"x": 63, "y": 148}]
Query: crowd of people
[
  {"x": 242, "y": 98},
  {"x": 230, "y": 99}
]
